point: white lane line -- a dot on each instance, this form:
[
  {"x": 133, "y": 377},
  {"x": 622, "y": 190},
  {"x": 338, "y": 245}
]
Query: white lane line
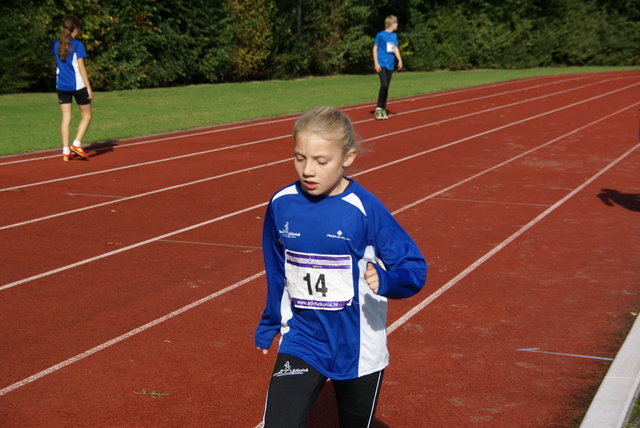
[
  {"x": 130, "y": 247},
  {"x": 477, "y": 201},
  {"x": 287, "y": 159},
  {"x": 403, "y": 319},
  {"x": 126, "y": 335},
  {"x": 501, "y": 164},
  {"x": 507, "y": 93},
  {"x": 213, "y": 244},
  {"x": 185, "y": 134},
  {"x": 96, "y": 196},
  {"x": 188, "y": 155},
  {"x": 484, "y": 97},
  {"x": 140, "y": 195},
  {"x": 562, "y": 354},
  {"x": 485, "y": 132}
]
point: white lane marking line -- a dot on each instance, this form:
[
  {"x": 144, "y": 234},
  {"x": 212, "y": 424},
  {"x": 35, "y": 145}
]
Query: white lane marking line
[
  {"x": 475, "y": 201},
  {"x": 96, "y": 196},
  {"x": 538, "y": 351},
  {"x": 447, "y": 92},
  {"x": 508, "y": 92},
  {"x": 446, "y": 189},
  {"x": 181, "y": 135},
  {"x": 402, "y": 320},
  {"x": 489, "y": 131},
  {"x": 127, "y": 335},
  {"x": 140, "y": 195},
  {"x": 120, "y": 168},
  {"x": 253, "y": 247},
  {"x": 130, "y": 247}
]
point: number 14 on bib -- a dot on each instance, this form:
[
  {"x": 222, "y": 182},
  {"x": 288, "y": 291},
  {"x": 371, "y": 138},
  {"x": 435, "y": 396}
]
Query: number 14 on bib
[{"x": 319, "y": 281}]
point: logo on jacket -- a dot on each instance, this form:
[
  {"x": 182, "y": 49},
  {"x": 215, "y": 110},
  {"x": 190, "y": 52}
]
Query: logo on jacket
[
  {"x": 338, "y": 235},
  {"x": 287, "y": 233}
]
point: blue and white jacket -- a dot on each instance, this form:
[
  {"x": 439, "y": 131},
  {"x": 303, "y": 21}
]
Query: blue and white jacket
[{"x": 316, "y": 250}]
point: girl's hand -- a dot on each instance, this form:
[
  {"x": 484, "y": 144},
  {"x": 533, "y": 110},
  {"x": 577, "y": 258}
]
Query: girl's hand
[
  {"x": 264, "y": 351},
  {"x": 371, "y": 276}
]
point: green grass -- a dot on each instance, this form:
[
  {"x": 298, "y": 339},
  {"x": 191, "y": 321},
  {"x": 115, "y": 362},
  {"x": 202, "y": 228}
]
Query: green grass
[
  {"x": 634, "y": 419},
  {"x": 30, "y": 122}
]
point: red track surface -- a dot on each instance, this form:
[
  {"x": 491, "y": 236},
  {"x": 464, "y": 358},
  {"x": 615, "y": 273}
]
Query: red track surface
[{"x": 141, "y": 269}]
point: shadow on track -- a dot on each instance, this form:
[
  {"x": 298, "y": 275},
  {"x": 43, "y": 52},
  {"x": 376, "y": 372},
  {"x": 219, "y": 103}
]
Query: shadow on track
[
  {"x": 630, "y": 201},
  {"x": 98, "y": 149}
]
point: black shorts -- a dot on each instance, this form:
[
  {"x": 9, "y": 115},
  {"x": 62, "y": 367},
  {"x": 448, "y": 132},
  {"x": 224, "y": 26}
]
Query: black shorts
[
  {"x": 295, "y": 385},
  {"x": 81, "y": 96}
]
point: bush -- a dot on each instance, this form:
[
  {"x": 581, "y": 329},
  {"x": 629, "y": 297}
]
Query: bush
[{"x": 158, "y": 43}]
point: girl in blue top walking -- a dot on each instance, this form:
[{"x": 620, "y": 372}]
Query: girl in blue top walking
[
  {"x": 72, "y": 81},
  {"x": 333, "y": 254},
  {"x": 385, "y": 52}
]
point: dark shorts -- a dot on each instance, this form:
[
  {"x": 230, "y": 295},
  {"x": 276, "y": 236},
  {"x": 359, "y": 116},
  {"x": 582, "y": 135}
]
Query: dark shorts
[
  {"x": 81, "y": 96},
  {"x": 295, "y": 385}
]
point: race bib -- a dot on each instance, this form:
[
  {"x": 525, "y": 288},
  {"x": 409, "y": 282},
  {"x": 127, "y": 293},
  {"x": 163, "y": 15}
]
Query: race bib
[
  {"x": 319, "y": 281},
  {"x": 390, "y": 47}
]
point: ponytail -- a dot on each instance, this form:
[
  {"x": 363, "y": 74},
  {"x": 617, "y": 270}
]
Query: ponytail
[{"x": 69, "y": 25}]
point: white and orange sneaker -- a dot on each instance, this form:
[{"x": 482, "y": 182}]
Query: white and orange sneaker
[{"x": 78, "y": 150}]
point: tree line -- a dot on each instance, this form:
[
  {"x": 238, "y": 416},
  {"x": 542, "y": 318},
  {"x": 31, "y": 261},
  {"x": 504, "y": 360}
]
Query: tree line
[{"x": 159, "y": 43}]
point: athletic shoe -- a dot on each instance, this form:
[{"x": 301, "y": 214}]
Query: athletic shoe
[
  {"x": 66, "y": 158},
  {"x": 379, "y": 114},
  {"x": 78, "y": 150},
  {"x": 384, "y": 114}
]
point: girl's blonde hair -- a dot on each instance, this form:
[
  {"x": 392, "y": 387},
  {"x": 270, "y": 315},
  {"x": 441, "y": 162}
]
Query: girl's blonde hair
[
  {"x": 390, "y": 20},
  {"x": 69, "y": 25},
  {"x": 329, "y": 123}
]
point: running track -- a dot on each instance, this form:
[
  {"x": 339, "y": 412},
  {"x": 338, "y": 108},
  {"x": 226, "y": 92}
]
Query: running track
[{"x": 140, "y": 269}]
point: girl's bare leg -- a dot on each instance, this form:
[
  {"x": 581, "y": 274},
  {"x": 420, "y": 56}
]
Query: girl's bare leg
[
  {"x": 85, "y": 121},
  {"x": 65, "y": 123}
]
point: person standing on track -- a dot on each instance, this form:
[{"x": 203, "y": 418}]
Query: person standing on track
[
  {"x": 385, "y": 52},
  {"x": 333, "y": 254},
  {"x": 72, "y": 81}
]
